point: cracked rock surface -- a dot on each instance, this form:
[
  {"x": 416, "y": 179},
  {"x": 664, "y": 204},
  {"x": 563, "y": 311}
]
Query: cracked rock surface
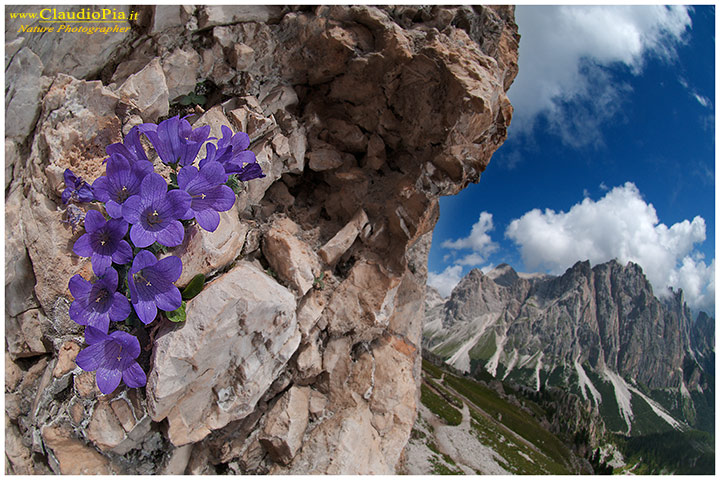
[{"x": 302, "y": 353}]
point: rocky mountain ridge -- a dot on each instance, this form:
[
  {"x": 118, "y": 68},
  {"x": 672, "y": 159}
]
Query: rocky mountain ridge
[
  {"x": 302, "y": 352},
  {"x": 600, "y": 332}
]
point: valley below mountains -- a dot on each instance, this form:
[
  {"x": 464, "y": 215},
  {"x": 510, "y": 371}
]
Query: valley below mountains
[{"x": 614, "y": 372}]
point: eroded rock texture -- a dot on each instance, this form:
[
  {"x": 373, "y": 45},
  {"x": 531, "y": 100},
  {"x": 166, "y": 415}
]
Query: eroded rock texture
[{"x": 302, "y": 353}]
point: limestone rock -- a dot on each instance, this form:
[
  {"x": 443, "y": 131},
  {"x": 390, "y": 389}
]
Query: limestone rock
[
  {"x": 317, "y": 405},
  {"x": 13, "y": 373},
  {"x": 24, "y": 334},
  {"x": 169, "y": 16},
  {"x": 280, "y": 97},
  {"x": 119, "y": 425},
  {"x": 73, "y": 457},
  {"x": 324, "y": 159},
  {"x": 178, "y": 460},
  {"x": 213, "y": 15},
  {"x": 309, "y": 362},
  {"x": 286, "y": 424},
  {"x": 18, "y": 456},
  {"x": 180, "y": 70},
  {"x": 207, "y": 252},
  {"x": 341, "y": 242},
  {"x": 376, "y": 155},
  {"x": 49, "y": 242},
  {"x": 147, "y": 91},
  {"x": 59, "y": 53},
  {"x": 344, "y": 443},
  {"x": 310, "y": 311},
  {"x": 11, "y": 48},
  {"x": 363, "y": 300},
  {"x": 242, "y": 56},
  {"x": 240, "y": 332},
  {"x": 19, "y": 275},
  {"x": 66, "y": 359},
  {"x": 26, "y": 86},
  {"x": 78, "y": 121},
  {"x": 394, "y": 395},
  {"x": 291, "y": 258}
]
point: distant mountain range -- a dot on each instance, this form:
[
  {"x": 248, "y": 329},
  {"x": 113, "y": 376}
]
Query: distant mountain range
[{"x": 640, "y": 363}]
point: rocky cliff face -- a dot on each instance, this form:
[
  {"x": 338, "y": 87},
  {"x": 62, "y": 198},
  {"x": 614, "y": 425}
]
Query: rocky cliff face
[
  {"x": 361, "y": 117},
  {"x": 593, "y": 330}
]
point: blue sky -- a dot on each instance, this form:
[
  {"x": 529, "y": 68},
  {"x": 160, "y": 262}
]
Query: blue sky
[{"x": 610, "y": 154}]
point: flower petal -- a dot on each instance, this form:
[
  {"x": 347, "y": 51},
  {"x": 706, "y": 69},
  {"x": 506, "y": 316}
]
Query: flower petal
[
  {"x": 143, "y": 259},
  {"x": 169, "y": 300},
  {"x": 100, "y": 187},
  {"x": 100, "y": 262},
  {"x": 214, "y": 173},
  {"x": 169, "y": 268},
  {"x": 82, "y": 246},
  {"x": 146, "y": 311},
  {"x": 142, "y": 238},
  {"x": 114, "y": 209},
  {"x": 208, "y": 219},
  {"x": 123, "y": 254},
  {"x": 94, "y": 221},
  {"x": 108, "y": 379},
  {"x": 130, "y": 343},
  {"x": 153, "y": 188},
  {"x": 134, "y": 376},
  {"x": 120, "y": 309},
  {"x": 172, "y": 236},
  {"x": 132, "y": 208},
  {"x": 69, "y": 177},
  {"x": 94, "y": 336},
  {"x": 108, "y": 279},
  {"x": 179, "y": 201},
  {"x": 92, "y": 357},
  {"x": 79, "y": 287},
  {"x": 186, "y": 174}
]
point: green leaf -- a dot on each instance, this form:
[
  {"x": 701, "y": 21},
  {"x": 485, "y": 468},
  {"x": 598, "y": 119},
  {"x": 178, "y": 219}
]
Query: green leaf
[
  {"x": 173, "y": 178},
  {"x": 157, "y": 248},
  {"x": 198, "y": 99},
  {"x": 234, "y": 184},
  {"x": 186, "y": 100},
  {"x": 178, "y": 315},
  {"x": 194, "y": 287}
]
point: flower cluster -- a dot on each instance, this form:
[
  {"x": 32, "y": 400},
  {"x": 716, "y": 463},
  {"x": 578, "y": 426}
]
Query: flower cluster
[{"x": 143, "y": 213}]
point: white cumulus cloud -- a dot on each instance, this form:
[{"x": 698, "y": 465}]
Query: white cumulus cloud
[
  {"x": 472, "y": 250},
  {"x": 564, "y": 55},
  {"x": 478, "y": 242},
  {"x": 445, "y": 281},
  {"x": 623, "y": 226}
]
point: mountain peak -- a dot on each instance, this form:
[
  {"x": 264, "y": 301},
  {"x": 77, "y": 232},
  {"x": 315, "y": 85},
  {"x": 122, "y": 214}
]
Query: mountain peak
[{"x": 504, "y": 275}]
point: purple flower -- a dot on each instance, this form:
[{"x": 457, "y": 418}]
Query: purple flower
[
  {"x": 249, "y": 172},
  {"x": 151, "y": 285},
  {"x": 130, "y": 148},
  {"x": 175, "y": 141},
  {"x": 103, "y": 242},
  {"x": 155, "y": 212},
  {"x": 208, "y": 192},
  {"x": 231, "y": 152},
  {"x": 96, "y": 304},
  {"x": 113, "y": 356},
  {"x": 76, "y": 189},
  {"x": 121, "y": 181}
]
